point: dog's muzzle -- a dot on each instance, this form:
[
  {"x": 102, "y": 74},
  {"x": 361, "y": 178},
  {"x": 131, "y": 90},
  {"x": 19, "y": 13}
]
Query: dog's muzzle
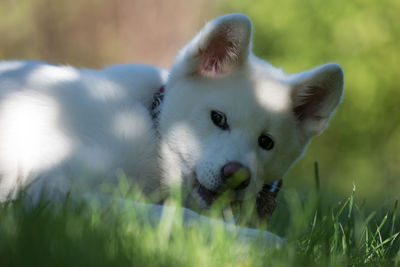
[{"x": 233, "y": 176}]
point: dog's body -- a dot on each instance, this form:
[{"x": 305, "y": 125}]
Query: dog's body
[
  {"x": 67, "y": 126},
  {"x": 226, "y": 116}
]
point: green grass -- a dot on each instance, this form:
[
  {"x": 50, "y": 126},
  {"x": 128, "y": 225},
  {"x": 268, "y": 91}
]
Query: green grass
[{"x": 71, "y": 233}]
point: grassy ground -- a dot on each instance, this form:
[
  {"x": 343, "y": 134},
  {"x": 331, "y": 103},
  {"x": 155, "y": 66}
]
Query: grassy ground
[{"x": 82, "y": 234}]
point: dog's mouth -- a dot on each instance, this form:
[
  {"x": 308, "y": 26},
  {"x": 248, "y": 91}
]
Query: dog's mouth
[{"x": 200, "y": 196}]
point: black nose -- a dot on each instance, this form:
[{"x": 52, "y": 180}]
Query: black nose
[{"x": 235, "y": 175}]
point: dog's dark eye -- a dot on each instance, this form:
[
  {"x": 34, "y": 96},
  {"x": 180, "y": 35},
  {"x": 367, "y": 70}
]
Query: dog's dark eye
[
  {"x": 266, "y": 142},
  {"x": 219, "y": 119}
]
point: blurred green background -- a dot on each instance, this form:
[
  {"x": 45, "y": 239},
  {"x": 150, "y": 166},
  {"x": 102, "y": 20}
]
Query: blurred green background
[{"x": 362, "y": 144}]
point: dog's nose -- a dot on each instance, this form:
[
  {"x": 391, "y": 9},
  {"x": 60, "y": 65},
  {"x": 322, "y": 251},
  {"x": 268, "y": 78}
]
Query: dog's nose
[{"x": 235, "y": 175}]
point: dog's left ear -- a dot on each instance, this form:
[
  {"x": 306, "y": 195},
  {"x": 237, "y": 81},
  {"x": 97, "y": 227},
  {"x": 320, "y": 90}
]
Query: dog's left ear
[
  {"x": 221, "y": 47},
  {"x": 315, "y": 96}
]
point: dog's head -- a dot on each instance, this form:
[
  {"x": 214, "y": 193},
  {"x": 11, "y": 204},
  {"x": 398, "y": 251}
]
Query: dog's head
[{"x": 232, "y": 121}]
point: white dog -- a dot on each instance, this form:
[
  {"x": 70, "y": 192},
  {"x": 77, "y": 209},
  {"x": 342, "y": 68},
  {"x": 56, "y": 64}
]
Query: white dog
[{"x": 224, "y": 120}]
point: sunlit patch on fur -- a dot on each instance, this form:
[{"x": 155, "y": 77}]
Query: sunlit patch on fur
[
  {"x": 132, "y": 123},
  {"x": 30, "y": 134},
  {"x": 273, "y": 96},
  {"x": 49, "y": 75},
  {"x": 11, "y": 66}
]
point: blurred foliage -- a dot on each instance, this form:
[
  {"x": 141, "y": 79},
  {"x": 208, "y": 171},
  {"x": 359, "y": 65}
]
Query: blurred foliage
[
  {"x": 93, "y": 33},
  {"x": 362, "y": 144}
]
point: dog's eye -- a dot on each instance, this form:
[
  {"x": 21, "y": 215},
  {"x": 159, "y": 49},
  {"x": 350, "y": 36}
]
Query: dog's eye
[
  {"x": 219, "y": 119},
  {"x": 266, "y": 142}
]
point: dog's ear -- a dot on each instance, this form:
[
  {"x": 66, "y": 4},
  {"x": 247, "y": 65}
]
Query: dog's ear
[
  {"x": 316, "y": 94},
  {"x": 220, "y": 47}
]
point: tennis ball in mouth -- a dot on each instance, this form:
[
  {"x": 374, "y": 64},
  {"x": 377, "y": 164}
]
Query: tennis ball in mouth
[{"x": 238, "y": 178}]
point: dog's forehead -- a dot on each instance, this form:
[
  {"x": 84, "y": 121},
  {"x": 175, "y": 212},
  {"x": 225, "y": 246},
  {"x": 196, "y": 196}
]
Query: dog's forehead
[
  {"x": 253, "y": 90},
  {"x": 263, "y": 103},
  {"x": 271, "y": 94}
]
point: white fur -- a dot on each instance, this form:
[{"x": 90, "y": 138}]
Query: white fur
[
  {"x": 67, "y": 128},
  {"x": 61, "y": 124}
]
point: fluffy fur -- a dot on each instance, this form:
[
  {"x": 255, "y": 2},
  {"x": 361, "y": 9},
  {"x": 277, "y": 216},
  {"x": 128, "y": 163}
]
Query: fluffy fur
[{"x": 70, "y": 129}]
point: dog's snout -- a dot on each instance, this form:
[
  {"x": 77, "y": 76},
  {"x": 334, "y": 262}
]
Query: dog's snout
[{"x": 235, "y": 175}]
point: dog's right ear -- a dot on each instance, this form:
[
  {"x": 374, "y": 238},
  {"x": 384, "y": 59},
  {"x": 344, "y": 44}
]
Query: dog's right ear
[{"x": 221, "y": 46}]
